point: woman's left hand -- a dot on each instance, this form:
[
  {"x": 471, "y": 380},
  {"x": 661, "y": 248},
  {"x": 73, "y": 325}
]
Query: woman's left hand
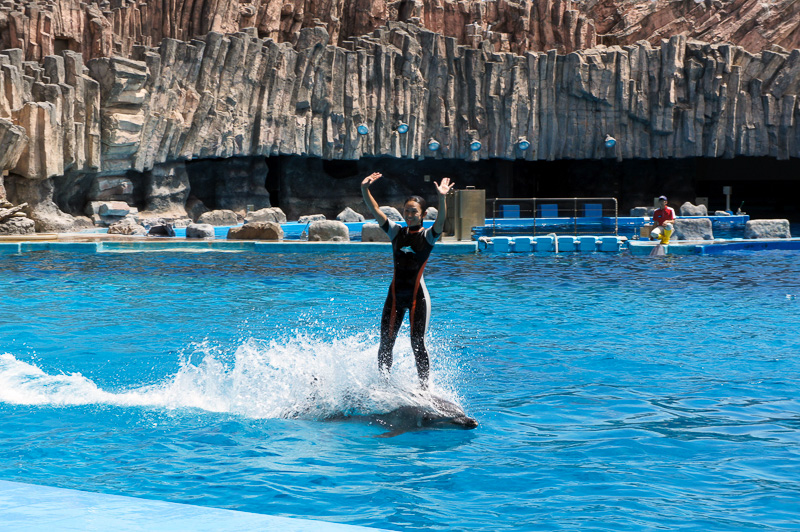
[{"x": 444, "y": 187}]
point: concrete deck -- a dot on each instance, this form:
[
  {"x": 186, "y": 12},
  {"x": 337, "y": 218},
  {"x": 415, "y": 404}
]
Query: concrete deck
[{"x": 32, "y": 508}]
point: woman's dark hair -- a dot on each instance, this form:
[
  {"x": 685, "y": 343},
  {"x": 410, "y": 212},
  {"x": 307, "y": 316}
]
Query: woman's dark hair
[{"x": 417, "y": 199}]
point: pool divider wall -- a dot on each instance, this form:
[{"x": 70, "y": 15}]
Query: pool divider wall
[
  {"x": 616, "y": 244},
  {"x": 6, "y": 248},
  {"x": 558, "y": 244},
  {"x": 9, "y": 248},
  {"x": 520, "y": 244}
]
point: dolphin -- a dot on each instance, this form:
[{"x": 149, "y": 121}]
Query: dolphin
[{"x": 435, "y": 414}]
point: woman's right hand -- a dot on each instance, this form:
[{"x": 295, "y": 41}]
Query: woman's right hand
[{"x": 370, "y": 179}]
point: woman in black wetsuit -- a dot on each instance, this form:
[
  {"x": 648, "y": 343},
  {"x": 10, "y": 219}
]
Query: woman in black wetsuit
[{"x": 411, "y": 247}]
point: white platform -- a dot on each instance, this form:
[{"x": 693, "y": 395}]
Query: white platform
[{"x": 28, "y": 507}]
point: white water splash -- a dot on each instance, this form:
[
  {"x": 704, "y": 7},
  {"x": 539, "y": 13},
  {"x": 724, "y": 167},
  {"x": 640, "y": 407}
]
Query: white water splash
[{"x": 300, "y": 377}]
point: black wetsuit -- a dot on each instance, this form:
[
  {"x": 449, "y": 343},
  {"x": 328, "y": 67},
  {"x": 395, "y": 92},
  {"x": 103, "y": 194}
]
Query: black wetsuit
[{"x": 411, "y": 249}]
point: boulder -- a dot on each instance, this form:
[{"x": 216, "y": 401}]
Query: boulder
[
  {"x": 431, "y": 213},
  {"x": 200, "y": 231},
  {"x": 689, "y": 209},
  {"x": 161, "y": 230},
  {"x": 113, "y": 208},
  {"x": 642, "y": 211},
  {"x": 373, "y": 233},
  {"x": 147, "y": 220},
  {"x": 106, "y": 213},
  {"x": 256, "y": 231},
  {"x": 195, "y": 208},
  {"x": 767, "y": 229},
  {"x": 695, "y": 229},
  {"x": 328, "y": 230},
  {"x": 10, "y": 211},
  {"x": 349, "y": 215},
  {"x": 113, "y": 188},
  {"x": 721, "y": 213},
  {"x": 392, "y": 213},
  {"x": 17, "y": 225},
  {"x": 127, "y": 226},
  {"x": 311, "y": 218},
  {"x": 218, "y": 217},
  {"x": 268, "y": 214}
]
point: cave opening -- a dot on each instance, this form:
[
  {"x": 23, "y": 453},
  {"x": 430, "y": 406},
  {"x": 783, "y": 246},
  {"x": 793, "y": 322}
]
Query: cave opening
[{"x": 763, "y": 187}]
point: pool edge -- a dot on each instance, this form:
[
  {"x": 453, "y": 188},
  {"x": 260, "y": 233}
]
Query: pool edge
[{"x": 32, "y": 506}]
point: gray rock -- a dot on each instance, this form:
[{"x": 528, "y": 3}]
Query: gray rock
[
  {"x": 373, "y": 233},
  {"x": 113, "y": 208},
  {"x": 328, "y": 230},
  {"x": 195, "y": 208},
  {"x": 311, "y": 218},
  {"x": 392, "y": 213},
  {"x": 161, "y": 230},
  {"x": 218, "y": 218},
  {"x": 17, "y": 226},
  {"x": 689, "y": 209},
  {"x": 111, "y": 189},
  {"x": 8, "y": 212},
  {"x": 200, "y": 231},
  {"x": 721, "y": 213},
  {"x": 166, "y": 189},
  {"x": 642, "y": 211},
  {"x": 349, "y": 215},
  {"x": 699, "y": 229},
  {"x": 127, "y": 226},
  {"x": 268, "y": 214},
  {"x": 256, "y": 231},
  {"x": 150, "y": 221},
  {"x": 767, "y": 229},
  {"x": 431, "y": 213}
]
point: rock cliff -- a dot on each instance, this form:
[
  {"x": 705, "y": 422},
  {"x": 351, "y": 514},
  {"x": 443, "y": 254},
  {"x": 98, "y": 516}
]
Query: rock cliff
[
  {"x": 121, "y": 127},
  {"x": 106, "y": 28}
]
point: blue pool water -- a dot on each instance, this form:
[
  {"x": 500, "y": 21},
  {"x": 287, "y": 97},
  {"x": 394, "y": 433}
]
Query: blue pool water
[{"x": 613, "y": 392}]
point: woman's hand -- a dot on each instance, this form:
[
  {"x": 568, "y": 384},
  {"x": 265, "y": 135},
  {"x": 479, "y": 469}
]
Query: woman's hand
[
  {"x": 370, "y": 179},
  {"x": 444, "y": 187}
]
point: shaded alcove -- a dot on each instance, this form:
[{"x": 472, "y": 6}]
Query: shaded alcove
[
  {"x": 233, "y": 184},
  {"x": 767, "y": 186},
  {"x": 305, "y": 185},
  {"x": 314, "y": 186}
]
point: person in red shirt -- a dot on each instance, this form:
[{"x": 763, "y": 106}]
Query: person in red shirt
[{"x": 664, "y": 219}]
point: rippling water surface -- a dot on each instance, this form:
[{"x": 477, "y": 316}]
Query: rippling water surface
[{"x": 612, "y": 392}]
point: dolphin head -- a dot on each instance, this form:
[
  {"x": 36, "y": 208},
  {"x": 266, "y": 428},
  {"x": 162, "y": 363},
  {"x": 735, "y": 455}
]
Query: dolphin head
[
  {"x": 449, "y": 414},
  {"x": 457, "y": 422}
]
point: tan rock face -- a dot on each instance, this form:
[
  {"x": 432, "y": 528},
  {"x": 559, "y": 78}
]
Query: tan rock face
[
  {"x": 238, "y": 95},
  {"x": 100, "y": 30},
  {"x": 87, "y": 89}
]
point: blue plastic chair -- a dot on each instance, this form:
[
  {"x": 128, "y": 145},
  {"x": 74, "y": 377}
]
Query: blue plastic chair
[
  {"x": 548, "y": 210},
  {"x": 593, "y": 210},
  {"x": 509, "y": 211}
]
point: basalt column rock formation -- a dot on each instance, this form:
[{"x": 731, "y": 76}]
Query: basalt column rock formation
[
  {"x": 238, "y": 95},
  {"x": 106, "y": 28}
]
